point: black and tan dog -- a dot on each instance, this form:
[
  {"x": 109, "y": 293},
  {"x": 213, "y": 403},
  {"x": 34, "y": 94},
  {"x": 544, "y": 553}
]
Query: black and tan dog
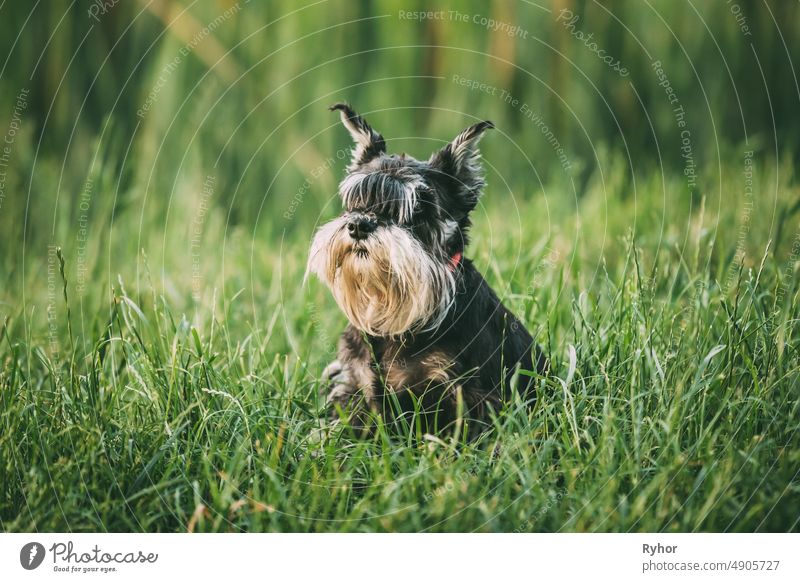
[{"x": 427, "y": 334}]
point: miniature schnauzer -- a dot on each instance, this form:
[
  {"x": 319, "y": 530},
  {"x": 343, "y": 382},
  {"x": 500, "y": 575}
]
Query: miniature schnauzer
[{"x": 428, "y": 339}]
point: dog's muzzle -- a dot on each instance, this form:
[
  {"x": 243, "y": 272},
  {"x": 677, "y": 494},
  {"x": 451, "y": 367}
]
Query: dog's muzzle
[{"x": 360, "y": 226}]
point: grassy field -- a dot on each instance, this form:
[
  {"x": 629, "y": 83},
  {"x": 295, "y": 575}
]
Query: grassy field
[
  {"x": 160, "y": 355},
  {"x": 673, "y": 404}
]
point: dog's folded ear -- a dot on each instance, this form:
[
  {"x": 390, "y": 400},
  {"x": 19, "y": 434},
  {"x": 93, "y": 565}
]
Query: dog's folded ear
[
  {"x": 369, "y": 143},
  {"x": 461, "y": 158}
]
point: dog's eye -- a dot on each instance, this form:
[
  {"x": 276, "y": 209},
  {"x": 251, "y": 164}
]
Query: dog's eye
[{"x": 423, "y": 194}]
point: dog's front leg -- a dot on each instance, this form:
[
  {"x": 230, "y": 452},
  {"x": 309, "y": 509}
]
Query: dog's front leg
[{"x": 350, "y": 383}]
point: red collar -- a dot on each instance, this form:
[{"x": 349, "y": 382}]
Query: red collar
[{"x": 455, "y": 260}]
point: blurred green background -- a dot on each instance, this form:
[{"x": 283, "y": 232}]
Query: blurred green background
[{"x": 129, "y": 108}]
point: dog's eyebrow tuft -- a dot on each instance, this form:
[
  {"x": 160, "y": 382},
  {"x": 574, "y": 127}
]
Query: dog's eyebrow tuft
[{"x": 393, "y": 193}]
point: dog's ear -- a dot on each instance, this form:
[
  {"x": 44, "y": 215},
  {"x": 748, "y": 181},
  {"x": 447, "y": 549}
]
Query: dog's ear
[
  {"x": 461, "y": 158},
  {"x": 369, "y": 143}
]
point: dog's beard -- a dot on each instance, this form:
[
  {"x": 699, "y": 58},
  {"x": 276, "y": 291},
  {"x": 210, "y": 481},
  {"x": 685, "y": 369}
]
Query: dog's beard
[{"x": 387, "y": 284}]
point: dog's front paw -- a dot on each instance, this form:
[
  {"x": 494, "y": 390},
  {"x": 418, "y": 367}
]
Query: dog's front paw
[
  {"x": 339, "y": 394},
  {"x": 345, "y": 399},
  {"x": 332, "y": 370},
  {"x": 337, "y": 387}
]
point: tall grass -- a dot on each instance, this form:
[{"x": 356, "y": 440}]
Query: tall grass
[
  {"x": 673, "y": 404},
  {"x": 160, "y": 355}
]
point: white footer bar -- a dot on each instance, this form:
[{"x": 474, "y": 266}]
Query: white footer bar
[{"x": 389, "y": 557}]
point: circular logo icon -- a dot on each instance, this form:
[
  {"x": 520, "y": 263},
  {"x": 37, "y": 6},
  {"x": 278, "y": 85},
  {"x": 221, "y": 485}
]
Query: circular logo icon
[{"x": 31, "y": 555}]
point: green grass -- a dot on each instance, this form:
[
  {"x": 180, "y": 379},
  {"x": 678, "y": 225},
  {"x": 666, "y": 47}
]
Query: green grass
[
  {"x": 673, "y": 404},
  {"x": 175, "y": 384}
]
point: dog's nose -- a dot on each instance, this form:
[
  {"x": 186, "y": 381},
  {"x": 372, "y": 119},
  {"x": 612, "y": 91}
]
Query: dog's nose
[{"x": 360, "y": 227}]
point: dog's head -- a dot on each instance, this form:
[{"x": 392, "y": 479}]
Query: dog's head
[{"x": 391, "y": 258}]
